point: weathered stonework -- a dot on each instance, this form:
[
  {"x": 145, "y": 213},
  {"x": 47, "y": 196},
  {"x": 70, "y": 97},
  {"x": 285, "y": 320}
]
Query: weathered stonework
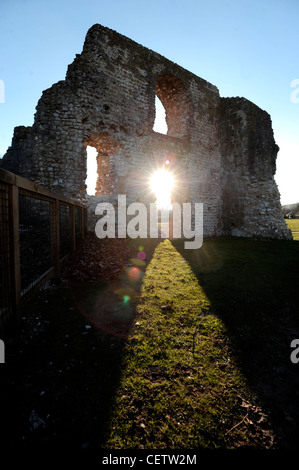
[{"x": 221, "y": 151}]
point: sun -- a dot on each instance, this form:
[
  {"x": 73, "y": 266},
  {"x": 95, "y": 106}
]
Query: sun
[{"x": 162, "y": 183}]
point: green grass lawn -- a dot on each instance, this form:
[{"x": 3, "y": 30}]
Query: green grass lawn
[
  {"x": 206, "y": 363},
  {"x": 293, "y": 225},
  {"x": 189, "y": 349}
]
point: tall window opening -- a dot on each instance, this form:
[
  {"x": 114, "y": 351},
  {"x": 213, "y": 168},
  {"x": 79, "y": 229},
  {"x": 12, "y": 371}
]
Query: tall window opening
[
  {"x": 92, "y": 170},
  {"x": 160, "y": 124}
]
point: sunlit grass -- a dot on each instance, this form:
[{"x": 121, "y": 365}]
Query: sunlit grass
[
  {"x": 293, "y": 225},
  {"x": 180, "y": 386}
]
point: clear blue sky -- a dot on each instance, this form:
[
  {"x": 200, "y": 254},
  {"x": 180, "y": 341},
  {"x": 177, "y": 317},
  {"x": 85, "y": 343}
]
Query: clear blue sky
[{"x": 246, "y": 48}]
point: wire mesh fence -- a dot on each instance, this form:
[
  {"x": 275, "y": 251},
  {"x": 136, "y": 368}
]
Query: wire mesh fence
[
  {"x": 36, "y": 239},
  {"x": 65, "y": 230},
  {"x": 6, "y": 285},
  {"x": 38, "y": 231}
]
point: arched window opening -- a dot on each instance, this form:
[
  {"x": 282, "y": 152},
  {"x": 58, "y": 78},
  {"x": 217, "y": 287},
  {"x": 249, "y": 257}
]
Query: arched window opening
[
  {"x": 174, "y": 95},
  {"x": 160, "y": 124},
  {"x": 92, "y": 170}
]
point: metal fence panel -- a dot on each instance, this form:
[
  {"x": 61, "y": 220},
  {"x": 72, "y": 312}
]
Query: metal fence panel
[
  {"x": 36, "y": 238},
  {"x": 65, "y": 229},
  {"x": 6, "y": 284},
  {"x": 38, "y": 230}
]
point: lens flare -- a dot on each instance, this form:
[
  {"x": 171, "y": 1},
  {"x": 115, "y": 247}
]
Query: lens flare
[
  {"x": 126, "y": 299},
  {"x": 134, "y": 273},
  {"x": 161, "y": 184},
  {"x": 141, "y": 255}
]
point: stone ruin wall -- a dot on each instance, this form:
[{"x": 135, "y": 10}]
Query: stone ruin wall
[{"x": 221, "y": 150}]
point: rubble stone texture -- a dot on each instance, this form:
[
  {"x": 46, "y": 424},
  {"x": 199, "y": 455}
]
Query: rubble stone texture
[{"x": 221, "y": 150}]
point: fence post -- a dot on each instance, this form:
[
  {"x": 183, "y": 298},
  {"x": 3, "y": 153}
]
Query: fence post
[
  {"x": 85, "y": 221},
  {"x": 57, "y": 238},
  {"x": 73, "y": 228},
  {"x": 82, "y": 223},
  {"x": 16, "y": 269}
]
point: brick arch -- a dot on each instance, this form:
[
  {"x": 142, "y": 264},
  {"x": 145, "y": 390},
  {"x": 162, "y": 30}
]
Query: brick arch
[{"x": 176, "y": 100}]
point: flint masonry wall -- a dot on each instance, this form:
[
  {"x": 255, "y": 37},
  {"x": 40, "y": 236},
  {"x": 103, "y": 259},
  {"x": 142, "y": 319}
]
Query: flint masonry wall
[
  {"x": 221, "y": 151},
  {"x": 251, "y": 201}
]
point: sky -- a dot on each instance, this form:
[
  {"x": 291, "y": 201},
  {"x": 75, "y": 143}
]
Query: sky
[{"x": 246, "y": 48}]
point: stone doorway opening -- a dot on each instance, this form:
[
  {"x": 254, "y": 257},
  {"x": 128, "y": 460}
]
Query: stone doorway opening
[
  {"x": 162, "y": 182},
  {"x": 101, "y": 151},
  {"x": 91, "y": 170}
]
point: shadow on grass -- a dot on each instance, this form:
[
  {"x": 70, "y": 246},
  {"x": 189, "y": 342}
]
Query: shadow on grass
[
  {"x": 63, "y": 363},
  {"x": 253, "y": 287}
]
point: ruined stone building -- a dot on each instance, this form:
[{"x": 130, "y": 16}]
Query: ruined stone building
[{"x": 221, "y": 150}]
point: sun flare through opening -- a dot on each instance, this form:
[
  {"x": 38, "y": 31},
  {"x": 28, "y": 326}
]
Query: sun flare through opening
[
  {"x": 91, "y": 169},
  {"x": 162, "y": 184}
]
